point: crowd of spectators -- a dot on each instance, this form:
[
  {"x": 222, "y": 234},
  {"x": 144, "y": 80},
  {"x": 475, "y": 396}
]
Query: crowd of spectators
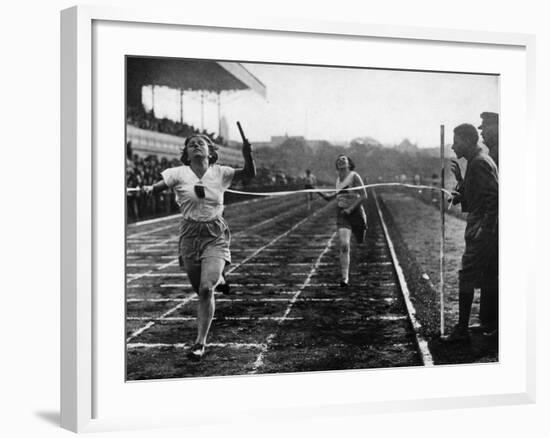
[
  {"x": 143, "y": 171},
  {"x": 140, "y": 118}
]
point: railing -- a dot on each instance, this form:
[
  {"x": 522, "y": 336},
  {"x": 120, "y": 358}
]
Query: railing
[{"x": 147, "y": 142}]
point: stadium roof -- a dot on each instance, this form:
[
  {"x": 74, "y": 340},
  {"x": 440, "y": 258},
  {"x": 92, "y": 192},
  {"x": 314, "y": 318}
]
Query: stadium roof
[{"x": 191, "y": 74}]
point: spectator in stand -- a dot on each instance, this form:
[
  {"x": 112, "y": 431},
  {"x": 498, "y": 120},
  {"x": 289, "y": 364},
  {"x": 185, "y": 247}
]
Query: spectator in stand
[{"x": 147, "y": 120}]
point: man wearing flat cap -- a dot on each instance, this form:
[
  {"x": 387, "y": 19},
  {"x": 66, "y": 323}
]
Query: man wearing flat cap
[
  {"x": 489, "y": 133},
  {"x": 477, "y": 193}
]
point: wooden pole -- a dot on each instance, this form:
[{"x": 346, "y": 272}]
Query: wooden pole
[
  {"x": 202, "y": 111},
  {"x": 181, "y": 105},
  {"x": 442, "y": 242},
  {"x": 219, "y": 114},
  {"x": 153, "y": 98}
]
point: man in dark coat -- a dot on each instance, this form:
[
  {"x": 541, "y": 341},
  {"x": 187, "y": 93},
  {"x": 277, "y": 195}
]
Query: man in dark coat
[
  {"x": 478, "y": 195},
  {"x": 488, "y": 306}
]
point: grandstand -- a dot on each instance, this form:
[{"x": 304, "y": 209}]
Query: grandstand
[{"x": 164, "y": 138}]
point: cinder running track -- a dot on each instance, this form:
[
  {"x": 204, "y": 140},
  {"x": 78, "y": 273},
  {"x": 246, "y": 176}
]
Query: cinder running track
[{"x": 287, "y": 312}]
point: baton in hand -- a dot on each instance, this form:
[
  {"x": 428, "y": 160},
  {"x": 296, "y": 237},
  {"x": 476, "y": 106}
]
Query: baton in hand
[
  {"x": 247, "y": 147},
  {"x": 245, "y": 140}
]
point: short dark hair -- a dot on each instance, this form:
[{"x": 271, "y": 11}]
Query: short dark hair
[
  {"x": 212, "y": 154},
  {"x": 467, "y": 132},
  {"x": 350, "y": 161}
]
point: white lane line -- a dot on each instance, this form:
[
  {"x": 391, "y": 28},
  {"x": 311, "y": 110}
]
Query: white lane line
[
  {"x": 169, "y": 312},
  {"x": 183, "y": 274},
  {"x": 156, "y": 274},
  {"x": 164, "y": 315},
  {"x": 236, "y": 345},
  {"x": 254, "y": 318},
  {"x": 376, "y": 300},
  {"x": 387, "y": 317},
  {"x": 185, "y": 285},
  {"x": 146, "y": 251},
  {"x": 243, "y": 285},
  {"x": 425, "y": 353},
  {"x": 154, "y": 221},
  {"x": 238, "y": 300},
  {"x": 260, "y": 359},
  {"x": 148, "y": 286},
  {"x": 251, "y": 285},
  {"x": 304, "y": 251},
  {"x": 221, "y": 318},
  {"x": 173, "y": 239},
  {"x": 324, "y": 285},
  {"x": 293, "y": 265},
  {"x": 177, "y": 215},
  {"x": 154, "y": 230},
  {"x": 143, "y": 241},
  {"x": 163, "y": 244},
  {"x": 280, "y": 236},
  {"x": 365, "y": 264},
  {"x": 134, "y": 277}
]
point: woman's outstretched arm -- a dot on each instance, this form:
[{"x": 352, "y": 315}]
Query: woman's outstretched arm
[
  {"x": 159, "y": 186},
  {"x": 327, "y": 197}
]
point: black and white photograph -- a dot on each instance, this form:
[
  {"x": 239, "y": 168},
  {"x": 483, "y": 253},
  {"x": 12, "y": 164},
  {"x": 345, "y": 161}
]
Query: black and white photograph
[
  {"x": 285, "y": 218},
  {"x": 271, "y": 219}
]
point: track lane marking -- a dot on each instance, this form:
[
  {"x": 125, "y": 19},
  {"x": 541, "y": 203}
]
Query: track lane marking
[
  {"x": 174, "y": 261},
  {"x": 235, "y": 300},
  {"x": 423, "y": 348},
  {"x": 221, "y": 318},
  {"x": 177, "y": 215},
  {"x": 236, "y": 345},
  {"x": 138, "y": 345},
  {"x": 169, "y": 312},
  {"x": 175, "y": 238},
  {"x": 260, "y": 358}
]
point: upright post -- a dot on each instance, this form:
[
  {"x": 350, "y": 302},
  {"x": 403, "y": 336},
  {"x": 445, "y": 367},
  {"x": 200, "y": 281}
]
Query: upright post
[
  {"x": 181, "y": 105},
  {"x": 153, "y": 98},
  {"x": 442, "y": 241},
  {"x": 202, "y": 111},
  {"x": 219, "y": 114}
]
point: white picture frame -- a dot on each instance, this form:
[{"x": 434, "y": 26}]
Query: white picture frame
[{"x": 80, "y": 366}]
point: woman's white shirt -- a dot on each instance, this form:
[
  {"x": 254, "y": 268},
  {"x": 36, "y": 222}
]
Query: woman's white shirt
[
  {"x": 216, "y": 180},
  {"x": 346, "y": 198}
]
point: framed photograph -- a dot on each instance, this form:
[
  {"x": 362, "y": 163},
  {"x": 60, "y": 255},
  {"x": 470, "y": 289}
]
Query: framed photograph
[{"x": 210, "y": 263}]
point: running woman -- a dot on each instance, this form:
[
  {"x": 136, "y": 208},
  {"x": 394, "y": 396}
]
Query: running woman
[
  {"x": 199, "y": 185},
  {"x": 350, "y": 214}
]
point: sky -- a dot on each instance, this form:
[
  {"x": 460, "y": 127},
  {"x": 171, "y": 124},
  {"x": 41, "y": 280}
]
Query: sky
[{"x": 340, "y": 104}]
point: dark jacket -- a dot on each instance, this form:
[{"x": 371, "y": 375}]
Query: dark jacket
[{"x": 479, "y": 191}]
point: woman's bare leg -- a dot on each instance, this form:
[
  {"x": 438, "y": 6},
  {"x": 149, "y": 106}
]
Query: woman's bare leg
[
  {"x": 211, "y": 271},
  {"x": 344, "y": 235},
  {"x": 194, "y": 275}
]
